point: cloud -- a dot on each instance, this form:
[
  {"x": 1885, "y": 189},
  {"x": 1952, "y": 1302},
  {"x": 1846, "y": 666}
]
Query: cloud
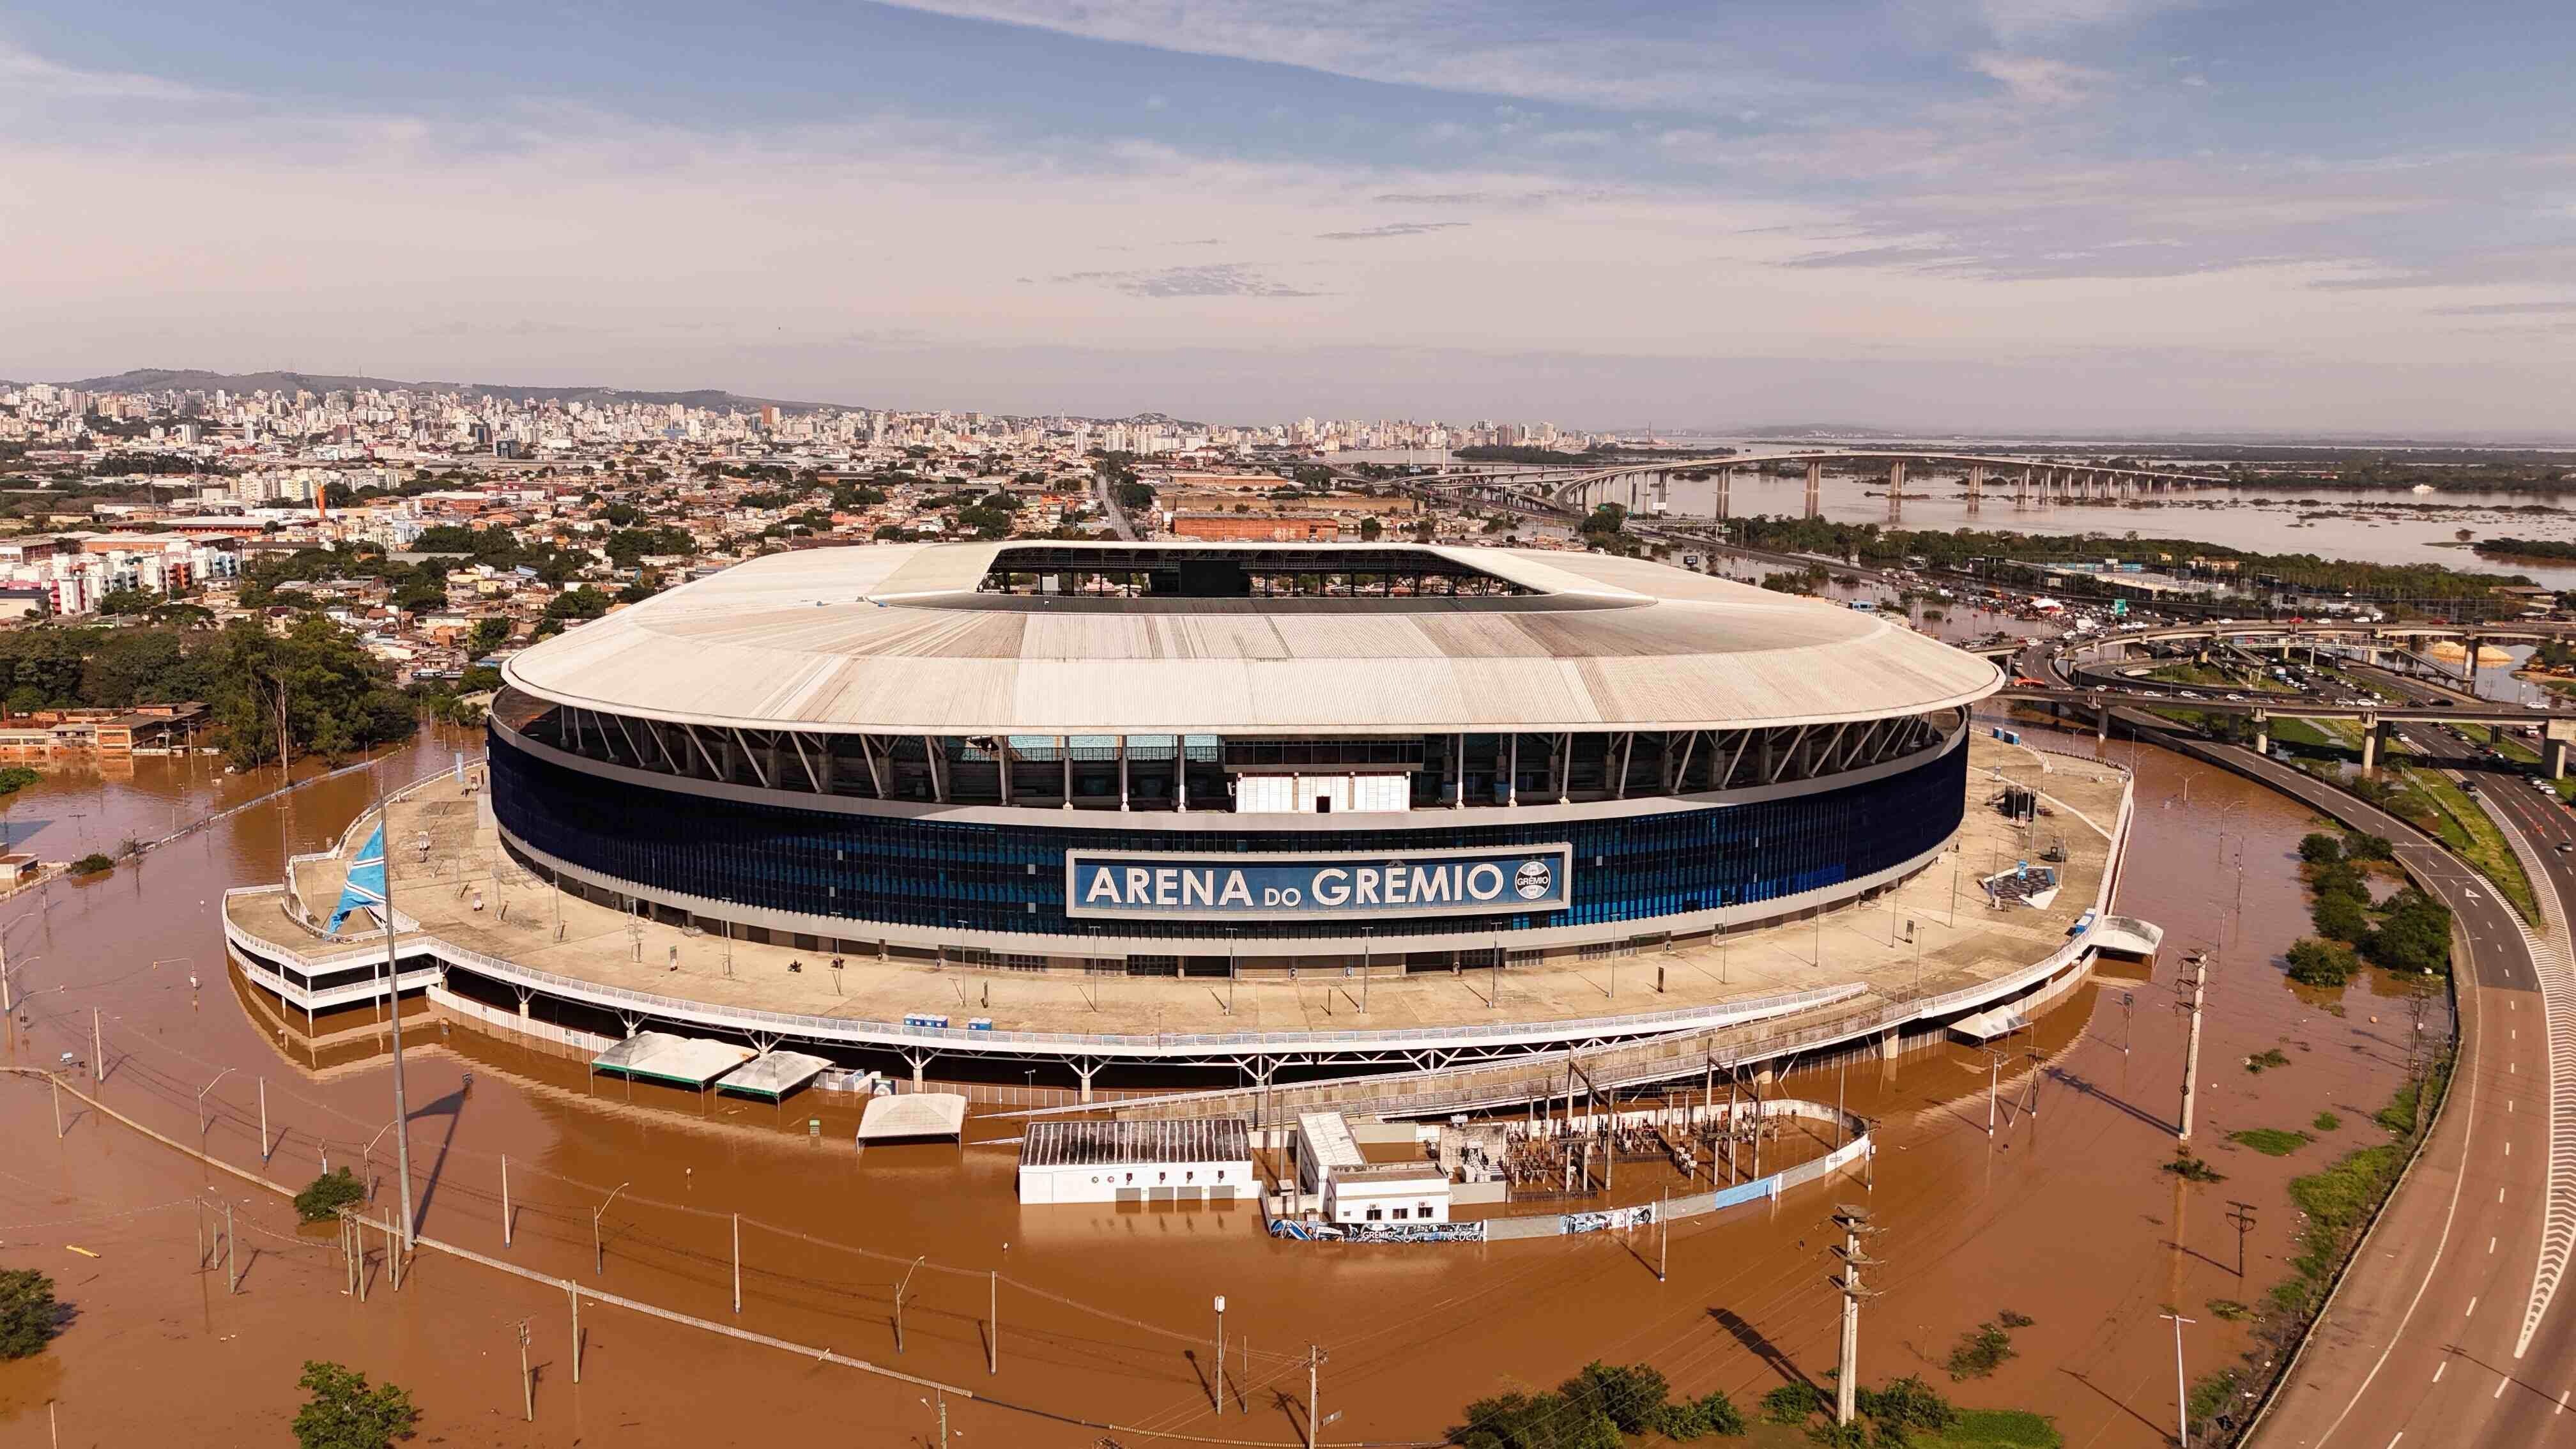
[
  {"x": 1392, "y": 228},
  {"x": 1217, "y": 279},
  {"x": 1526, "y": 52},
  {"x": 2038, "y": 80},
  {"x": 2506, "y": 309},
  {"x": 1430, "y": 198}
]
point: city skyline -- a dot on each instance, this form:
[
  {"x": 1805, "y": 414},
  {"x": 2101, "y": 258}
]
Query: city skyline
[{"x": 2016, "y": 215}]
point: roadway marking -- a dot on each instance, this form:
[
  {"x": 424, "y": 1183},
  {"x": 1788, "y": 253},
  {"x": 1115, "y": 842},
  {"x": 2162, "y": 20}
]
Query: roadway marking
[
  {"x": 2392, "y": 1444},
  {"x": 2472, "y": 1308},
  {"x": 2439, "y": 1369},
  {"x": 2562, "y": 1403},
  {"x": 2557, "y": 980},
  {"x": 2500, "y": 1383}
]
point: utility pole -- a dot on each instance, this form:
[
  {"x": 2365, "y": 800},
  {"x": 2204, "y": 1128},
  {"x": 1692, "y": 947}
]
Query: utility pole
[
  {"x": 1219, "y": 1385},
  {"x": 1994, "y": 1075},
  {"x": 2240, "y": 1215},
  {"x": 1314, "y": 1425},
  {"x": 2198, "y": 961},
  {"x": 527, "y": 1385},
  {"x": 1854, "y": 1221},
  {"x": 2182, "y": 1405},
  {"x": 393, "y": 976}
]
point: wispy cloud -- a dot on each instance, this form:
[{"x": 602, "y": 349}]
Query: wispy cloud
[
  {"x": 1392, "y": 228},
  {"x": 2037, "y": 80},
  {"x": 1218, "y": 279},
  {"x": 2506, "y": 309}
]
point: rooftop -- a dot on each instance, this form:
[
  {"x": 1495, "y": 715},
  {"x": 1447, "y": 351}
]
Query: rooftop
[{"x": 918, "y": 638}]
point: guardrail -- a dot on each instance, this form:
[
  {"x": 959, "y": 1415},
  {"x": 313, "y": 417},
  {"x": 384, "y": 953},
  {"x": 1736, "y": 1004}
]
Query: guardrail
[{"x": 1161, "y": 1044}]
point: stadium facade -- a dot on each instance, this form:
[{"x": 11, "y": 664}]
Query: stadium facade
[{"x": 1222, "y": 757}]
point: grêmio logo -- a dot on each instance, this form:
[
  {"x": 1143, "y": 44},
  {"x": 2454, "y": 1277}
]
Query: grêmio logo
[{"x": 1154, "y": 885}]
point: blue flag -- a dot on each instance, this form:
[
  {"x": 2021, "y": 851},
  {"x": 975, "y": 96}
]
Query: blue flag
[{"x": 366, "y": 885}]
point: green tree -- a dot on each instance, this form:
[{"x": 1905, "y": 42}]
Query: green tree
[
  {"x": 322, "y": 1198},
  {"x": 2317, "y": 847},
  {"x": 2414, "y": 934},
  {"x": 29, "y": 1314},
  {"x": 490, "y": 633},
  {"x": 2341, "y": 918},
  {"x": 118, "y": 603},
  {"x": 343, "y": 1412},
  {"x": 1370, "y": 529},
  {"x": 2321, "y": 963}
]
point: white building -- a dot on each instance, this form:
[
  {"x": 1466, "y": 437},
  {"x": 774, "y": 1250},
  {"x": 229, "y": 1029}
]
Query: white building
[
  {"x": 1352, "y": 1189},
  {"x": 1203, "y": 1159}
]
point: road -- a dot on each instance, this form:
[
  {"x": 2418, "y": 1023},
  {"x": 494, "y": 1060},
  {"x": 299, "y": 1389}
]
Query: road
[
  {"x": 1118, "y": 523},
  {"x": 2444, "y": 1332}
]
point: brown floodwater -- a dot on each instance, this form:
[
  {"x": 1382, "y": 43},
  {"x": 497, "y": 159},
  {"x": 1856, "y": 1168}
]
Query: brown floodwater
[{"x": 1105, "y": 1315}]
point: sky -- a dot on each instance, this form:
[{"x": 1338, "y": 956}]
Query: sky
[{"x": 2035, "y": 215}]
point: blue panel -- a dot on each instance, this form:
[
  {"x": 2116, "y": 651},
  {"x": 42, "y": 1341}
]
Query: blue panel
[{"x": 972, "y": 877}]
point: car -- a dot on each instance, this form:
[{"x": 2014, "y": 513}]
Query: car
[{"x": 2565, "y": 846}]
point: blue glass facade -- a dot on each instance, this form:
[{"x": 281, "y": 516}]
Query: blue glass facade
[{"x": 1010, "y": 878}]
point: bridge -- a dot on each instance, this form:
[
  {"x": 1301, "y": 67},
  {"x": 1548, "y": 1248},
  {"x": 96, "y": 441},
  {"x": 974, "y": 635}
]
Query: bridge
[{"x": 2030, "y": 480}]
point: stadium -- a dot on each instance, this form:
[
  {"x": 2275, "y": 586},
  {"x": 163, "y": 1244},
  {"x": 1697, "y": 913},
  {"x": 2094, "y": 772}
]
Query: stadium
[{"x": 1195, "y": 759}]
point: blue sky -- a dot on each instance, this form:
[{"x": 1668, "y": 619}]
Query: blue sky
[{"x": 1975, "y": 213}]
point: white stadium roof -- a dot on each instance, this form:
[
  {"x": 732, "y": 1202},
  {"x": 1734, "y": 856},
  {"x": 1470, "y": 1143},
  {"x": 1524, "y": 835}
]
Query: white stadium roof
[{"x": 895, "y": 639}]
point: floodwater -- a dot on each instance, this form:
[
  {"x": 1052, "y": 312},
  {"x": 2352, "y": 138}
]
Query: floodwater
[{"x": 1106, "y": 1317}]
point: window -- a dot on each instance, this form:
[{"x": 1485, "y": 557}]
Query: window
[
  {"x": 1423, "y": 1212},
  {"x": 1376, "y": 1213},
  {"x": 1220, "y": 1174},
  {"x": 1399, "y": 1215},
  {"x": 1189, "y": 1176}
]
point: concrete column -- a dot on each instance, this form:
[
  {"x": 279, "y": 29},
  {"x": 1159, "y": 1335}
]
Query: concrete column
[
  {"x": 1815, "y": 488},
  {"x": 2369, "y": 743},
  {"x": 2101, "y": 721},
  {"x": 1976, "y": 484},
  {"x": 1725, "y": 492},
  {"x": 1086, "y": 1070},
  {"x": 1896, "y": 491},
  {"x": 1887, "y": 1045},
  {"x": 2262, "y": 733},
  {"x": 2554, "y": 738}
]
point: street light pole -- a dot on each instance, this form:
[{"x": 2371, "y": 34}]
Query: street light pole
[
  {"x": 599, "y": 1249},
  {"x": 393, "y": 1009},
  {"x": 2182, "y": 1405},
  {"x": 201, "y": 1104}
]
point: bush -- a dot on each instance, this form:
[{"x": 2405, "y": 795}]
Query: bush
[
  {"x": 1710, "y": 1413},
  {"x": 344, "y": 1413},
  {"x": 29, "y": 1314},
  {"x": 322, "y": 1199},
  {"x": 2265, "y": 1060},
  {"x": 2341, "y": 918},
  {"x": 2192, "y": 1169},
  {"x": 2338, "y": 878},
  {"x": 2321, "y": 963},
  {"x": 1979, "y": 1352},
  {"x": 1630, "y": 1394},
  {"x": 1794, "y": 1403},
  {"x": 2368, "y": 847},
  {"x": 2270, "y": 1141},
  {"x": 2317, "y": 847},
  {"x": 92, "y": 864},
  {"x": 1905, "y": 1404},
  {"x": 2326, "y": 1122},
  {"x": 2414, "y": 935}
]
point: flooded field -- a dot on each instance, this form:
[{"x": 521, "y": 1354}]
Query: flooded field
[{"x": 1105, "y": 1316}]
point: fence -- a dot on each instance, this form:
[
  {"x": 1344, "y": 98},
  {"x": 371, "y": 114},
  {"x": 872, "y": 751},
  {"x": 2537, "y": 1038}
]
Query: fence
[{"x": 1557, "y": 1225}]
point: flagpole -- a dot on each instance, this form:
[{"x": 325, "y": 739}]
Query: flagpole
[{"x": 393, "y": 971}]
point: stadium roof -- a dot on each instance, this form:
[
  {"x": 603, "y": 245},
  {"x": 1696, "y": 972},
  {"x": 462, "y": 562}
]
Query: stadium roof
[{"x": 897, "y": 639}]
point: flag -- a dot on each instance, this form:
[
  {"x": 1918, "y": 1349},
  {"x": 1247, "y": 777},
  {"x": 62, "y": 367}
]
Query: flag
[{"x": 366, "y": 886}]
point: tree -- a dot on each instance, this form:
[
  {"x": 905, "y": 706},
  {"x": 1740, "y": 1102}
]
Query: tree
[
  {"x": 2321, "y": 963},
  {"x": 490, "y": 633},
  {"x": 2341, "y": 918},
  {"x": 2317, "y": 847},
  {"x": 117, "y": 603},
  {"x": 344, "y": 1413},
  {"x": 29, "y": 1314},
  {"x": 322, "y": 1198},
  {"x": 2414, "y": 934},
  {"x": 1370, "y": 529}
]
